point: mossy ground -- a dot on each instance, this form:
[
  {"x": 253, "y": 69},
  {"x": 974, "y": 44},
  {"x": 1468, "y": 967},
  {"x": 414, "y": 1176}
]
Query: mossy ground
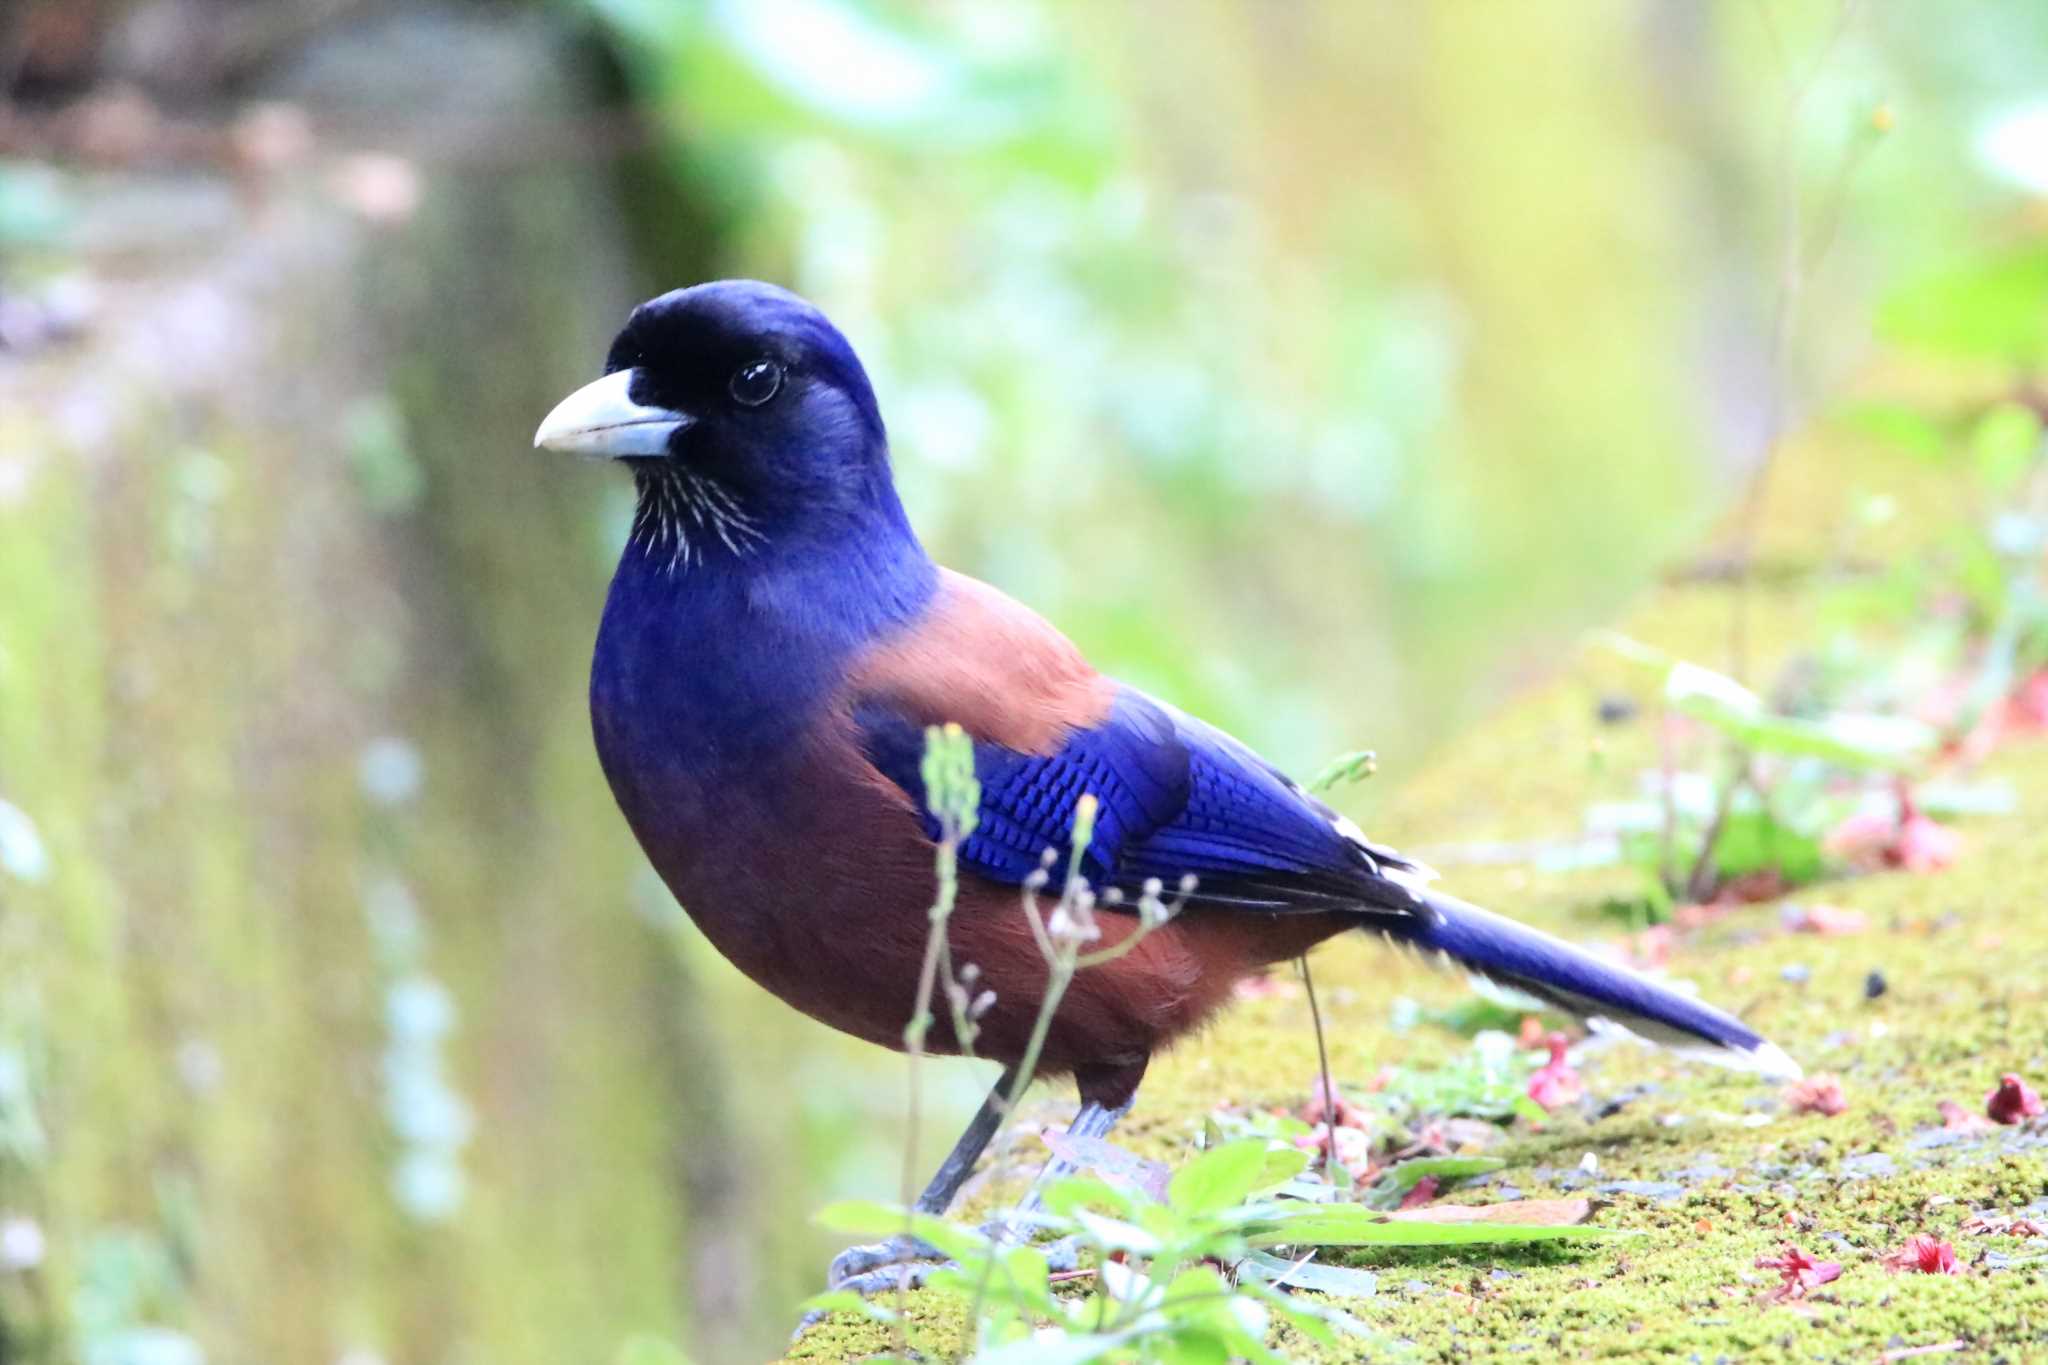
[{"x": 1964, "y": 957}]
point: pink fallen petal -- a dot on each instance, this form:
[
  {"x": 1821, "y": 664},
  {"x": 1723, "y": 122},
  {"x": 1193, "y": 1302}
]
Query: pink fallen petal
[
  {"x": 1924, "y": 1255},
  {"x": 1264, "y": 986},
  {"x": 1925, "y": 846},
  {"x": 1350, "y": 1148},
  {"x": 1866, "y": 834},
  {"x": 1797, "y": 1273},
  {"x": 1556, "y": 1082},
  {"x": 1911, "y": 841},
  {"x": 1318, "y": 1109},
  {"x": 2012, "y": 1100},
  {"x": 1957, "y": 1119},
  {"x": 1651, "y": 948},
  {"x": 1354, "y": 1154},
  {"x": 2026, "y": 711},
  {"x": 1826, "y": 920},
  {"x": 1817, "y": 1095}
]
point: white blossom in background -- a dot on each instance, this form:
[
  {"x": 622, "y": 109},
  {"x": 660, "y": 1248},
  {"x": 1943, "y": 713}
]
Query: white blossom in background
[
  {"x": 2014, "y": 146},
  {"x": 21, "y": 1243},
  {"x": 21, "y": 848}
]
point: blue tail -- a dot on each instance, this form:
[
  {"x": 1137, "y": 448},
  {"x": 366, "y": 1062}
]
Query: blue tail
[{"x": 1579, "y": 983}]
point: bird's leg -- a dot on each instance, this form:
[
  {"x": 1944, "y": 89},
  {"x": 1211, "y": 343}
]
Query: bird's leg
[
  {"x": 1093, "y": 1121},
  {"x": 937, "y": 1196},
  {"x": 905, "y": 1261}
]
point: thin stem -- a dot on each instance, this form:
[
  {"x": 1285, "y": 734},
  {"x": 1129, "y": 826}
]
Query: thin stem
[
  {"x": 1702, "y": 882},
  {"x": 1315, "y": 1013},
  {"x": 1796, "y": 262},
  {"x": 1667, "y": 847},
  {"x": 948, "y": 864}
]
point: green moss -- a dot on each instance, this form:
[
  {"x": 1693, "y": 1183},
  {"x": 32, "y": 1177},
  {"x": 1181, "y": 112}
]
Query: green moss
[{"x": 1964, "y": 954}]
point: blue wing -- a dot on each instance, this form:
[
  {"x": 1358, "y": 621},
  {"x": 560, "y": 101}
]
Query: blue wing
[{"x": 1177, "y": 799}]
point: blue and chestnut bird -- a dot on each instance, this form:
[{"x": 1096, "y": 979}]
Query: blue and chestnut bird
[{"x": 775, "y": 644}]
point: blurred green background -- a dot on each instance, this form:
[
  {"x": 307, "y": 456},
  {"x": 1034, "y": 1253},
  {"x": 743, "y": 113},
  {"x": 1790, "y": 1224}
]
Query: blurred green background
[{"x": 1322, "y": 366}]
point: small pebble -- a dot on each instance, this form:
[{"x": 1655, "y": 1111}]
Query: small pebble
[{"x": 1616, "y": 709}]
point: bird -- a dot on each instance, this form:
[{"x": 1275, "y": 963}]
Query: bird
[{"x": 777, "y": 642}]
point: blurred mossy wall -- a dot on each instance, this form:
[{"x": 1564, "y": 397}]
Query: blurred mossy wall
[{"x": 1320, "y": 366}]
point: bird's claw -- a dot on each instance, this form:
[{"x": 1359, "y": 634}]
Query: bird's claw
[
  {"x": 880, "y": 1267},
  {"x": 877, "y": 1268},
  {"x": 872, "y": 1256}
]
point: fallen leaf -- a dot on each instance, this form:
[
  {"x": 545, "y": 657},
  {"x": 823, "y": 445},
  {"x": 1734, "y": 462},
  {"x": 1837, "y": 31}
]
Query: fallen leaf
[{"x": 1423, "y": 1191}]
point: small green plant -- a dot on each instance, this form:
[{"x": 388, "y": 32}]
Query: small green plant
[
  {"x": 1783, "y": 781},
  {"x": 1201, "y": 1274}
]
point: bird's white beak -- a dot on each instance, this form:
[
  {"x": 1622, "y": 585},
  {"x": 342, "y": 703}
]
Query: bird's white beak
[{"x": 601, "y": 421}]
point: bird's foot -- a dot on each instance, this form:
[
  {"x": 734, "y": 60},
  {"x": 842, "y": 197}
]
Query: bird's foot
[
  {"x": 876, "y": 1268},
  {"x": 872, "y": 1256}
]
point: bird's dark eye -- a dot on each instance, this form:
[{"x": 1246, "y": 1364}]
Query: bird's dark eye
[{"x": 754, "y": 384}]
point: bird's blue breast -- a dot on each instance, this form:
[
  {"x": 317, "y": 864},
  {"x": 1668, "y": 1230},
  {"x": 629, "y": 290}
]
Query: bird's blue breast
[{"x": 703, "y": 676}]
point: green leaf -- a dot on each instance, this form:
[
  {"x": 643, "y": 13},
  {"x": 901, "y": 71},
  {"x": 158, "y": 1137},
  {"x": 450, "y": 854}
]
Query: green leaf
[
  {"x": 1218, "y": 1179},
  {"x": 2004, "y": 443},
  {"x": 1082, "y": 1192},
  {"x": 1029, "y": 1274},
  {"x": 1398, "y": 1179},
  {"x": 1989, "y": 309},
  {"x": 1281, "y": 1166},
  {"x": 1755, "y": 840},
  {"x": 1057, "y": 1350},
  {"x": 1341, "y": 1280},
  {"x": 1318, "y": 1322},
  {"x": 1189, "y": 1348},
  {"x": 1115, "y": 1234},
  {"x": 1905, "y": 428},
  {"x": 1354, "y": 766},
  {"x": 1357, "y": 1226},
  {"x": 1889, "y": 743}
]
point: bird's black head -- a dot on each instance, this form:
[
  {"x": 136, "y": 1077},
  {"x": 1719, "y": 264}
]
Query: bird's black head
[{"x": 745, "y": 415}]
